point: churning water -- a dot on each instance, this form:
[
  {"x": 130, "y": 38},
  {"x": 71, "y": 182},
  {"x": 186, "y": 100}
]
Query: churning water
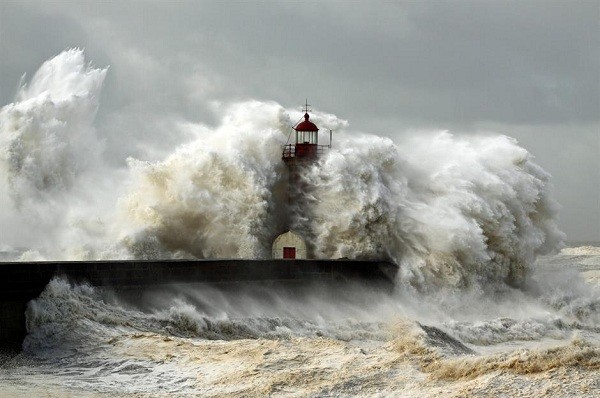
[
  {"x": 194, "y": 340},
  {"x": 480, "y": 307}
]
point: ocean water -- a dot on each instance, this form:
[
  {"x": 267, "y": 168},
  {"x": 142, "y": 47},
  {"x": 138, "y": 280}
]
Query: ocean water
[
  {"x": 198, "y": 341},
  {"x": 482, "y": 306}
]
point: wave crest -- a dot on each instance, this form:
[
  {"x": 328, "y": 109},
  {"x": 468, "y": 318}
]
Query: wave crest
[{"x": 450, "y": 210}]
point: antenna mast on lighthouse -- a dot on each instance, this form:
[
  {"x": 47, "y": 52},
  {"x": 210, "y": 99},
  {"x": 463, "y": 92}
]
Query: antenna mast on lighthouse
[{"x": 306, "y": 108}]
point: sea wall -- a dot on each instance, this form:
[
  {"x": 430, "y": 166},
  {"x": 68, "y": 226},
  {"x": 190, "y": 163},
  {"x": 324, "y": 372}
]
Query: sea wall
[{"x": 21, "y": 282}]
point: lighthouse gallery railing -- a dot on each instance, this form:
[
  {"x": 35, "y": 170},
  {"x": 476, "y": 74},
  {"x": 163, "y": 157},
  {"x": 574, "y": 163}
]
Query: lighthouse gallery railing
[{"x": 289, "y": 150}]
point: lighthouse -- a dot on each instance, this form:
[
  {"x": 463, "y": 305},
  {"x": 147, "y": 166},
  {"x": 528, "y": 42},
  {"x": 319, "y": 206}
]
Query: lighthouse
[{"x": 297, "y": 156}]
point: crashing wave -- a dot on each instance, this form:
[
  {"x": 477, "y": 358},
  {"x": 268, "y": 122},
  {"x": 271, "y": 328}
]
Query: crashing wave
[{"x": 450, "y": 210}]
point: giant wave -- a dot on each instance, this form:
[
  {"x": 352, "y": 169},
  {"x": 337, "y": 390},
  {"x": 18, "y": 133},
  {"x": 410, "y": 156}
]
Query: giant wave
[{"x": 451, "y": 210}]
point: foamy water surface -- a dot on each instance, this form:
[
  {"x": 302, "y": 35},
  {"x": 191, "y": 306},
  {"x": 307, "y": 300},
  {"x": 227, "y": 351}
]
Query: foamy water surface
[
  {"x": 192, "y": 340},
  {"x": 481, "y": 306}
]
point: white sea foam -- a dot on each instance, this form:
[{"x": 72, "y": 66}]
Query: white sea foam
[
  {"x": 449, "y": 210},
  {"x": 198, "y": 340},
  {"x": 214, "y": 197},
  {"x": 581, "y": 251}
]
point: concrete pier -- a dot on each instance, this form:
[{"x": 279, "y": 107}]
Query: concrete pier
[{"x": 21, "y": 282}]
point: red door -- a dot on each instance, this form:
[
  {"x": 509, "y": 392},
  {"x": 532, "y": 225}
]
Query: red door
[{"x": 289, "y": 252}]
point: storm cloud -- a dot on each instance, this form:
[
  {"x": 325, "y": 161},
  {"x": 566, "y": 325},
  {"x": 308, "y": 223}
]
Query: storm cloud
[{"x": 529, "y": 70}]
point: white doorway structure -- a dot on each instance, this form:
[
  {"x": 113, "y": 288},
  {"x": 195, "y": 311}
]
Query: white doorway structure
[{"x": 289, "y": 246}]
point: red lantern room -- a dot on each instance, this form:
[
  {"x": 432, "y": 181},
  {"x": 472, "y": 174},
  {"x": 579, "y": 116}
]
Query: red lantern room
[{"x": 307, "y": 145}]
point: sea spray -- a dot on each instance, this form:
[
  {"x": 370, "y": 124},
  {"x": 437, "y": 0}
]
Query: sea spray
[
  {"x": 216, "y": 196},
  {"x": 47, "y": 138},
  {"x": 449, "y": 210},
  {"x": 71, "y": 315},
  {"x": 456, "y": 211},
  {"x": 52, "y": 176}
]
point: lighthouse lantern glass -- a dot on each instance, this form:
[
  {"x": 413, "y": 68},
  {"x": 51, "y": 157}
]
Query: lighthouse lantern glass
[{"x": 307, "y": 137}]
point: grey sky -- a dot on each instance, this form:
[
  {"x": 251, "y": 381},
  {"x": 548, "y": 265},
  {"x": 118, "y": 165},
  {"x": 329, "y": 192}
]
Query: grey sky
[{"x": 530, "y": 70}]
